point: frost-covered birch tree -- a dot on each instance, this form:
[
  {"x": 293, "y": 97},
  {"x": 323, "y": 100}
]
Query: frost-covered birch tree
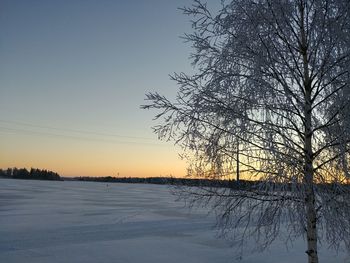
[{"x": 272, "y": 84}]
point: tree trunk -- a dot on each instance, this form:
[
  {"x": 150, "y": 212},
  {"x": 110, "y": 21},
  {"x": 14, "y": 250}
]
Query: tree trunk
[
  {"x": 311, "y": 229},
  {"x": 310, "y": 210},
  {"x": 311, "y": 216}
]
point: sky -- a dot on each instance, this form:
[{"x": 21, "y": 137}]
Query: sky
[{"x": 73, "y": 74}]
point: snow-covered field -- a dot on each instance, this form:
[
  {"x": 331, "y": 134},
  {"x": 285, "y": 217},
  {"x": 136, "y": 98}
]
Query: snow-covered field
[{"x": 88, "y": 222}]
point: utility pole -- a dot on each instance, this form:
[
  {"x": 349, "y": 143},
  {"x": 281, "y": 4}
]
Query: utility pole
[{"x": 237, "y": 164}]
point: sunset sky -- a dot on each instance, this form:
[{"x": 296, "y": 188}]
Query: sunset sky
[{"x": 73, "y": 75}]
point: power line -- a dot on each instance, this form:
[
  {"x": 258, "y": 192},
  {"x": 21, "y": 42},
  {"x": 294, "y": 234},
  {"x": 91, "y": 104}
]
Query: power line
[
  {"x": 74, "y": 136},
  {"x": 41, "y": 133},
  {"x": 75, "y": 130}
]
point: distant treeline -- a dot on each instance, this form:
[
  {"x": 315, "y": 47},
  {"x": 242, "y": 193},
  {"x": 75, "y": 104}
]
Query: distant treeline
[
  {"x": 35, "y": 174},
  {"x": 232, "y": 184},
  {"x": 167, "y": 180}
]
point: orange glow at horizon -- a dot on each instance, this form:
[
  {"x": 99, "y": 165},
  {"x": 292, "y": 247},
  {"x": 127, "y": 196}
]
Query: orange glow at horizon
[{"x": 89, "y": 158}]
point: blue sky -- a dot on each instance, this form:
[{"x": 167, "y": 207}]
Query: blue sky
[{"x": 72, "y": 77}]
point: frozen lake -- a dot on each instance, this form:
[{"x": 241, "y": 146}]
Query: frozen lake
[{"x": 42, "y": 221}]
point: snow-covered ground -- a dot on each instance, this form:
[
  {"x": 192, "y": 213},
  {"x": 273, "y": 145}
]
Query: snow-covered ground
[{"x": 42, "y": 221}]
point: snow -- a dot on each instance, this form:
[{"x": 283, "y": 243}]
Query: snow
[{"x": 42, "y": 221}]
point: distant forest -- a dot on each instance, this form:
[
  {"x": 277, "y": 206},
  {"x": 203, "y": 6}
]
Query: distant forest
[
  {"x": 34, "y": 174},
  {"x": 168, "y": 181}
]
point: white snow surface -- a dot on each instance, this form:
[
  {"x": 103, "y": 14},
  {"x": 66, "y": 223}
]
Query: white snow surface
[{"x": 71, "y": 221}]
